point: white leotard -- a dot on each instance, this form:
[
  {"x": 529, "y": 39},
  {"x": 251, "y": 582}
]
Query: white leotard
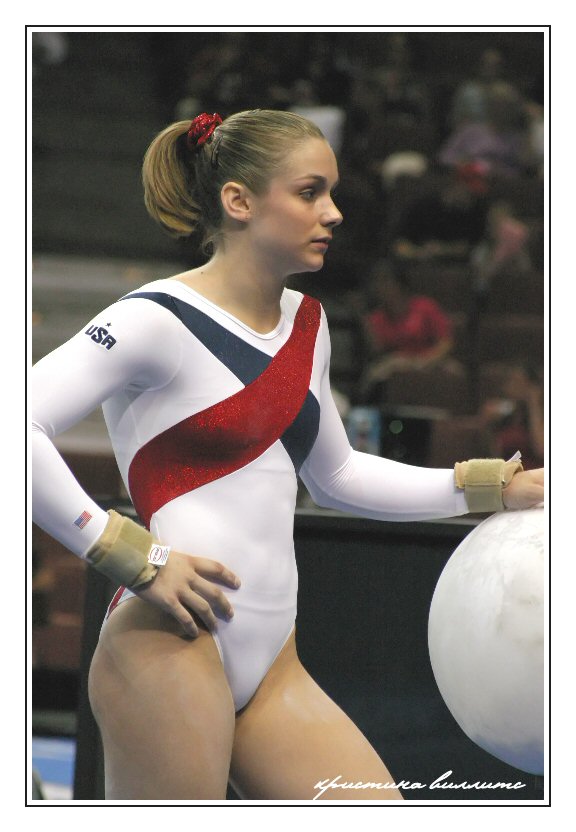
[{"x": 210, "y": 422}]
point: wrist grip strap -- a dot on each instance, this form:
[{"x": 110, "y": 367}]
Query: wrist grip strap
[
  {"x": 122, "y": 552},
  {"x": 483, "y": 481}
]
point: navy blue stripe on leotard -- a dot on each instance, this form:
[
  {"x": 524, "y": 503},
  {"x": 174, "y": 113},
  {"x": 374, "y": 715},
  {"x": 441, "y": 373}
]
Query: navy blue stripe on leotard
[{"x": 246, "y": 362}]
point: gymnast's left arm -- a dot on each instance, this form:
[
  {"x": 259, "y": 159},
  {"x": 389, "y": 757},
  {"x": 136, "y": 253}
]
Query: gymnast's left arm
[{"x": 339, "y": 477}]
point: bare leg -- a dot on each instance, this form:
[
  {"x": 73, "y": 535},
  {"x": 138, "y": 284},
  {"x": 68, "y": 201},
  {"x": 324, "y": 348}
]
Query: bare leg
[
  {"x": 292, "y": 736},
  {"x": 163, "y": 706}
]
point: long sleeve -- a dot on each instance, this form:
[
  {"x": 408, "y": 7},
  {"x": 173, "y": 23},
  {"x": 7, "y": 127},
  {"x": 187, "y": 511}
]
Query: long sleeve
[
  {"x": 370, "y": 486},
  {"x": 128, "y": 345}
]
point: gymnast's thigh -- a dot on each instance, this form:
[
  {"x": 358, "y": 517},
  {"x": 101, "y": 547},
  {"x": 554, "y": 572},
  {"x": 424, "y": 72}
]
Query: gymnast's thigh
[
  {"x": 292, "y": 736},
  {"x": 163, "y": 706}
]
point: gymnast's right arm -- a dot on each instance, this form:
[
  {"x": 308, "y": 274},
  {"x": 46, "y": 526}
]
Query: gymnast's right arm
[{"x": 66, "y": 386}]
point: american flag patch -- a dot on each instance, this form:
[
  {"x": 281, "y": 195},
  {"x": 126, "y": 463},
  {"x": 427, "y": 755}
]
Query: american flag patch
[{"x": 84, "y": 518}]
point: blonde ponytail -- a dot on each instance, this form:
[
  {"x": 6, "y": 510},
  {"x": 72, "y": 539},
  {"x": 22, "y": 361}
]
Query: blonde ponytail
[{"x": 166, "y": 175}]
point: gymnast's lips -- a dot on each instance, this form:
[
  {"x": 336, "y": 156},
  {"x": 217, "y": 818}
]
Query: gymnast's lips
[{"x": 323, "y": 241}]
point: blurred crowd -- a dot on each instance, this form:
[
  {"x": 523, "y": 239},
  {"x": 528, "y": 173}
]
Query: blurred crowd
[{"x": 442, "y": 165}]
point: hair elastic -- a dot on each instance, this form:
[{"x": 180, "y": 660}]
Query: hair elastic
[{"x": 201, "y": 129}]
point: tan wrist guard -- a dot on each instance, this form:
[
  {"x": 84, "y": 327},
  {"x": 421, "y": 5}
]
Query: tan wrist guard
[
  {"x": 483, "y": 481},
  {"x": 125, "y": 551}
]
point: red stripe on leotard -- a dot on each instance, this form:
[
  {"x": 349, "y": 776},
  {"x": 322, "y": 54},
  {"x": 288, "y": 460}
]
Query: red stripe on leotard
[
  {"x": 115, "y": 601},
  {"x": 230, "y": 434}
]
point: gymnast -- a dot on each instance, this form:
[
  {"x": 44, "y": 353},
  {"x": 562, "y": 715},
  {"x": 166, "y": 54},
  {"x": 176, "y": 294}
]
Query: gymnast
[{"x": 215, "y": 389}]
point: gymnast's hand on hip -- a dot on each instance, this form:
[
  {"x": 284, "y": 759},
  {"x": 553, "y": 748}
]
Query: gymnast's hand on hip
[{"x": 186, "y": 585}]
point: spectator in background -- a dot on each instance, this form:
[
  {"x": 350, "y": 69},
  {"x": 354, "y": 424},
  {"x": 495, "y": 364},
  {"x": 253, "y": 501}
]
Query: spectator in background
[
  {"x": 404, "y": 331},
  {"x": 444, "y": 219},
  {"x": 472, "y": 104},
  {"x": 516, "y": 420},
  {"x": 469, "y": 104},
  {"x": 503, "y": 249},
  {"x": 390, "y": 108},
  {"x": 500, "y": 143},
  {"x": 402, "y": 90}
]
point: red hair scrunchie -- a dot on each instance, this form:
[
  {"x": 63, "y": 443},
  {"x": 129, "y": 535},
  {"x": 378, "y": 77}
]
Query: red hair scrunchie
[{"x": 201, "y": 129}]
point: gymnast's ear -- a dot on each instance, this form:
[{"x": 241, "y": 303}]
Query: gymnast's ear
[{"x": 236, "y": 201}]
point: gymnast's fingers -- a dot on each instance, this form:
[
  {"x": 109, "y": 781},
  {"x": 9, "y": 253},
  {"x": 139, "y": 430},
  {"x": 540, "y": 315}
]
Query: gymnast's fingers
[
  {"x": 184, "y": 617},
  {"x": 194, "y": 602},
  {"x": 216, "y": 571},
  {"x": 180, "y": 584},
  {"x": 214, "y": 596}
]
